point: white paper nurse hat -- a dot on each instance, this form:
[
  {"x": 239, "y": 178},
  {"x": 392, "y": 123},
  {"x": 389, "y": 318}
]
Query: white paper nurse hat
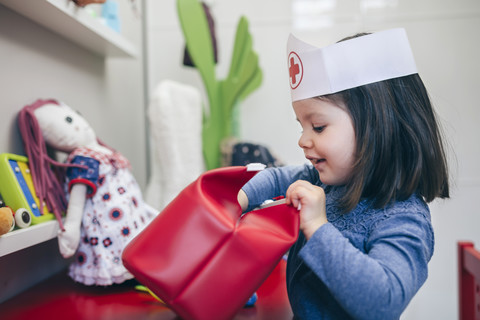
[{"x": 348, "y": 64}]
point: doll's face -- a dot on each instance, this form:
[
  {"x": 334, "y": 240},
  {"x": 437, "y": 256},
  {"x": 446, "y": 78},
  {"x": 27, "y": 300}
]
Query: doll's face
[{"x": 63, "y": 128}]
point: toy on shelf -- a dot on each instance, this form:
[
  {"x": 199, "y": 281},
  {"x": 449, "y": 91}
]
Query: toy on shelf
[
  {"x": 7, "y": 223},
  {"x": 18, "y": 191},
  {"x": 110, "y": 15},
  {"x": 23, "y": 218},
  {"x": 104, "y": 205}
]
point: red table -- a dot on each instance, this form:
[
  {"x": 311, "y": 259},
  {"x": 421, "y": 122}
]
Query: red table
[{"x": 61, "y": 298}]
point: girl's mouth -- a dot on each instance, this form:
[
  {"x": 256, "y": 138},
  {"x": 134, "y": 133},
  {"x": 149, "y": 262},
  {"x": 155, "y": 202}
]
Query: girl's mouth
[{"x": 315, "y": 161}]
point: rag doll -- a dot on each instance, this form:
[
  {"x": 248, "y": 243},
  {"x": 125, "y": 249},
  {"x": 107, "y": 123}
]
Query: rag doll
[{"x": 102, "y": 200}]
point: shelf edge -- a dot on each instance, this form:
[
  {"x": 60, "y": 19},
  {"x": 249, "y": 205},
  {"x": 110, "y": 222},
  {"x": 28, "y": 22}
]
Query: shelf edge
[
  {"x": 23, "y": 238},
  {"x": 73, "y": 23}
]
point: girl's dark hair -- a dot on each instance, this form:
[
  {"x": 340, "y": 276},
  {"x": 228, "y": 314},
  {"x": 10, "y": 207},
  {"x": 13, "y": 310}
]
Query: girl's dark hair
[{"x": 399, "y": 148}]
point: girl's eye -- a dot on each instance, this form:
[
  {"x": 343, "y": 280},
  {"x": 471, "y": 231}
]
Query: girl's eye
[
  {"x": 69, "y": 119},
  {"x": 318, "y": 129}
]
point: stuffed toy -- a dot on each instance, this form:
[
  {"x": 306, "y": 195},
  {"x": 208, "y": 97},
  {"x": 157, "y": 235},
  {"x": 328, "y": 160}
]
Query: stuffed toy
[
  {"x": 7, "y": 223},
  {"x": 23, "y": 218},
  {"x": 95, "y": 187}
]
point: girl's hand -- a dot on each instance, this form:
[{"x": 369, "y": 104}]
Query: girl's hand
[
  {"x": 310, "y": 200},
  {"x": 242, "y": 200}
]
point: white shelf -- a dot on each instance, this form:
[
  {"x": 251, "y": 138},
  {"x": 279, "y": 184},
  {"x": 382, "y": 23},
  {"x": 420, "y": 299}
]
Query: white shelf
[
  {"x": 75, "y": 24},
  {"x": 23, "y": 238}
]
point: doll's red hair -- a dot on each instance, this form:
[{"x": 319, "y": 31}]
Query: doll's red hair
[{"x": 47, "y": 174}]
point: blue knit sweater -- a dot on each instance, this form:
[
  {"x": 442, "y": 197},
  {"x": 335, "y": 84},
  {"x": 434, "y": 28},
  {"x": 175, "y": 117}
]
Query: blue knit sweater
[{"x": 365, "y": 264}]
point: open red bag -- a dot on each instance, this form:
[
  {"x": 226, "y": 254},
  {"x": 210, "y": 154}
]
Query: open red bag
[{"x": 201, "y": 256}]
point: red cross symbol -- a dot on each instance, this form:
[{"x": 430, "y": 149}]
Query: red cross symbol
[{"x": 295, "y": 69}]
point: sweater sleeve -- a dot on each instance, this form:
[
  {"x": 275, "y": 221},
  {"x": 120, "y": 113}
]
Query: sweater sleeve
[
  {"x": 379, "y": 283},
  {"x": 274, "y": 182}
]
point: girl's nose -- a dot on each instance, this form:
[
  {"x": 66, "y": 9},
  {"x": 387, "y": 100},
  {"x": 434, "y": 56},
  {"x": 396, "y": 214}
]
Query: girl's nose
[{"x": 304, "y": 142}]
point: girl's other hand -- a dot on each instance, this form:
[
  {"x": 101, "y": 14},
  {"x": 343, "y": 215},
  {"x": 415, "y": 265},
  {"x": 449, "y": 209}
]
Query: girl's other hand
[
  {"x": 242, "y": 200},
  {"x": 310, "y": 200}
]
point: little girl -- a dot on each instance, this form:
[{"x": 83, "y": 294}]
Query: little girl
[{"x": 370, "y": 134}]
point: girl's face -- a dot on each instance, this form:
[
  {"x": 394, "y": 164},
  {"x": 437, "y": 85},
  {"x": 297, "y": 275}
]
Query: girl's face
[{"x": 328, "y": 138}]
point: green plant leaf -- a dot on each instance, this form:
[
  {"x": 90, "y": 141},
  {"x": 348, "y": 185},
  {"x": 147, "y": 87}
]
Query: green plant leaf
[{"x": 199, "y": 42}]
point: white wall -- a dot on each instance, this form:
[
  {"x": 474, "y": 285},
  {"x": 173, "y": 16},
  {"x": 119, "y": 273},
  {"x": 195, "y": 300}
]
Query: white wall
[
  {"x": 444, "y": 36},
  {"x": 37, "y": 63}
]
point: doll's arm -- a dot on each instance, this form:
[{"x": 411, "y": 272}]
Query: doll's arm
[{"x": 69, "y": 239}]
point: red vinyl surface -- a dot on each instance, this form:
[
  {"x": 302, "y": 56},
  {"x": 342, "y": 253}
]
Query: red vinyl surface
[
  {"x": 468, "y": 281},
  {"x": 60, "y": 298},
  {"x": 200, "y": 252}
]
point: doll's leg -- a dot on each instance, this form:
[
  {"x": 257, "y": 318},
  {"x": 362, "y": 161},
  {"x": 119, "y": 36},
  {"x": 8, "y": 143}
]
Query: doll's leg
[{"x": 69, "y": 239}]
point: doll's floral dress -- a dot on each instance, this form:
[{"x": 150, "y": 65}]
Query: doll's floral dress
[{"x": 114, "y": 214}]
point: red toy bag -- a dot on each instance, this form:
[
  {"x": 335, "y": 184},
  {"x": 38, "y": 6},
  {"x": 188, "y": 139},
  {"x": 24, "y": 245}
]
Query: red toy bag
[{"x": 201, "y": 256}]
